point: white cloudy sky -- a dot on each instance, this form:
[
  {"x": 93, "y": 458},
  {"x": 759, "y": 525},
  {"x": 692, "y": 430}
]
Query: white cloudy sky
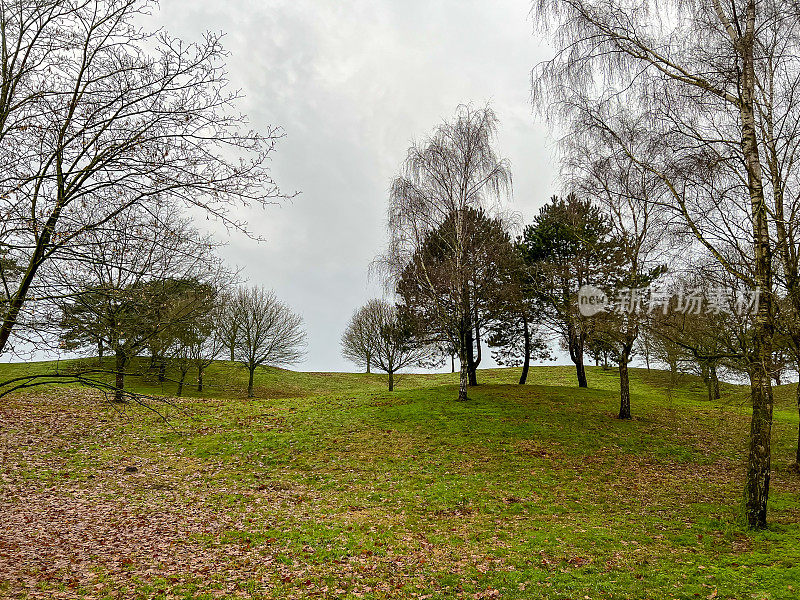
[{"x": 353, "y": 84}]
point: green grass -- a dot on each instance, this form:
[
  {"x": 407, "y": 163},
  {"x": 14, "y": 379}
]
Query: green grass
[{"x": 327, "y": 485}]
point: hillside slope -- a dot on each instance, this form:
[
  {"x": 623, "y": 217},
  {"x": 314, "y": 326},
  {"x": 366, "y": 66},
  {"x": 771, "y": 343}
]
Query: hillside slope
[{"x": 326, "y": 485}]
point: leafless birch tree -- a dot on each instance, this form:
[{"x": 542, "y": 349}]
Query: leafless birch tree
[
  {"x": 454, "y": 171},
  {"x": 628, "y": 195},
  {"x": 693, "y": 72},
  {"x": 357, "y": 342}
]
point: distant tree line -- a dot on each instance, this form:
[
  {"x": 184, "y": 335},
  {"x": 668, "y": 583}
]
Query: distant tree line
[{"x": 151, "y": 286}]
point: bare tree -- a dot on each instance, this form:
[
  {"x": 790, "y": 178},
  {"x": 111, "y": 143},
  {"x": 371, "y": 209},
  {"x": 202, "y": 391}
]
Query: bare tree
[
  {"x": 778, "y": 125},
  {"x": 710, "y": 332},
  {"x": 629, "y": 196},
  {"x": 269, "y": 332},
  {"x": 227, "y": 324},
  {"x": 206, "y": 343},
  {"x": 181, "y": 358},
  {"x": 357, "y": 342},
  {"x": 99, "y": 115},
  {"x": 386, "y": 337},
  {"x": 195, "y": 342},
  {"x": 31, "y": 39},
  {"x": 455, "y": 171},
  {"x": 693, "y": 72}
]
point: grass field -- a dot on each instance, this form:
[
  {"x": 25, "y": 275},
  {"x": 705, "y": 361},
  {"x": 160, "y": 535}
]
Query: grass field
[{"x": 328, "y": 486}]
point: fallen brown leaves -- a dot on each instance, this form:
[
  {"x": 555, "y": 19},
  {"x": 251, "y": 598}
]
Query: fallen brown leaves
[
  {"x": 138, "y": 521},
  {"x": 105, "y": 528}
]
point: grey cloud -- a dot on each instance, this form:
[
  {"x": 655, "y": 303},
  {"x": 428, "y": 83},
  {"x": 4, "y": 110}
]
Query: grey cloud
[{"x": 352, "y": 84}]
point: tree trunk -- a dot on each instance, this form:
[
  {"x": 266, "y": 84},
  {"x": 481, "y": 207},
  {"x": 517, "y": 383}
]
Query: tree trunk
[
  {"x": 452, "y": 363},
  {"x": 706, "y": 374},
  {"x": 581, "y": 372},
  {"x": 715, "y": 382},
  {"x": 624, "y": 383},
  {"x": 200, "y": 378},
  {"x": 575, "y": 347},
  {"x": 17, "y": 300},
  {"x": 391, "y": 381},
  {"x": 471, "y": 364},
  {"x": 758, "y": 464},
  {"x": 233, "y": 358},
  {"x": 472, "y": 376},
  {"x": 526, "y": 361},
  {"x": 797, "y": 456},
  {"x": 463, "y": 379},
  {"x": 797, "y": 395},
  {"x": 180, "y": 383},
  {"x": 100, "y": 350},
  {"x": 478, "y": 355},
  {"x": 464, "y": 345},
  {"x": 250, "y": 383},
  {"x": 119, "y": 384},
  {"x": 162, "y": 370}
]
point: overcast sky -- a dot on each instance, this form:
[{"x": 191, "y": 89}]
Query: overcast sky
[{"x": 352, "y": 85}]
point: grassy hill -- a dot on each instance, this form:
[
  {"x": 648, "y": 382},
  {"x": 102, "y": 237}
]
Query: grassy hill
[{"x": 326, "y": 485}]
